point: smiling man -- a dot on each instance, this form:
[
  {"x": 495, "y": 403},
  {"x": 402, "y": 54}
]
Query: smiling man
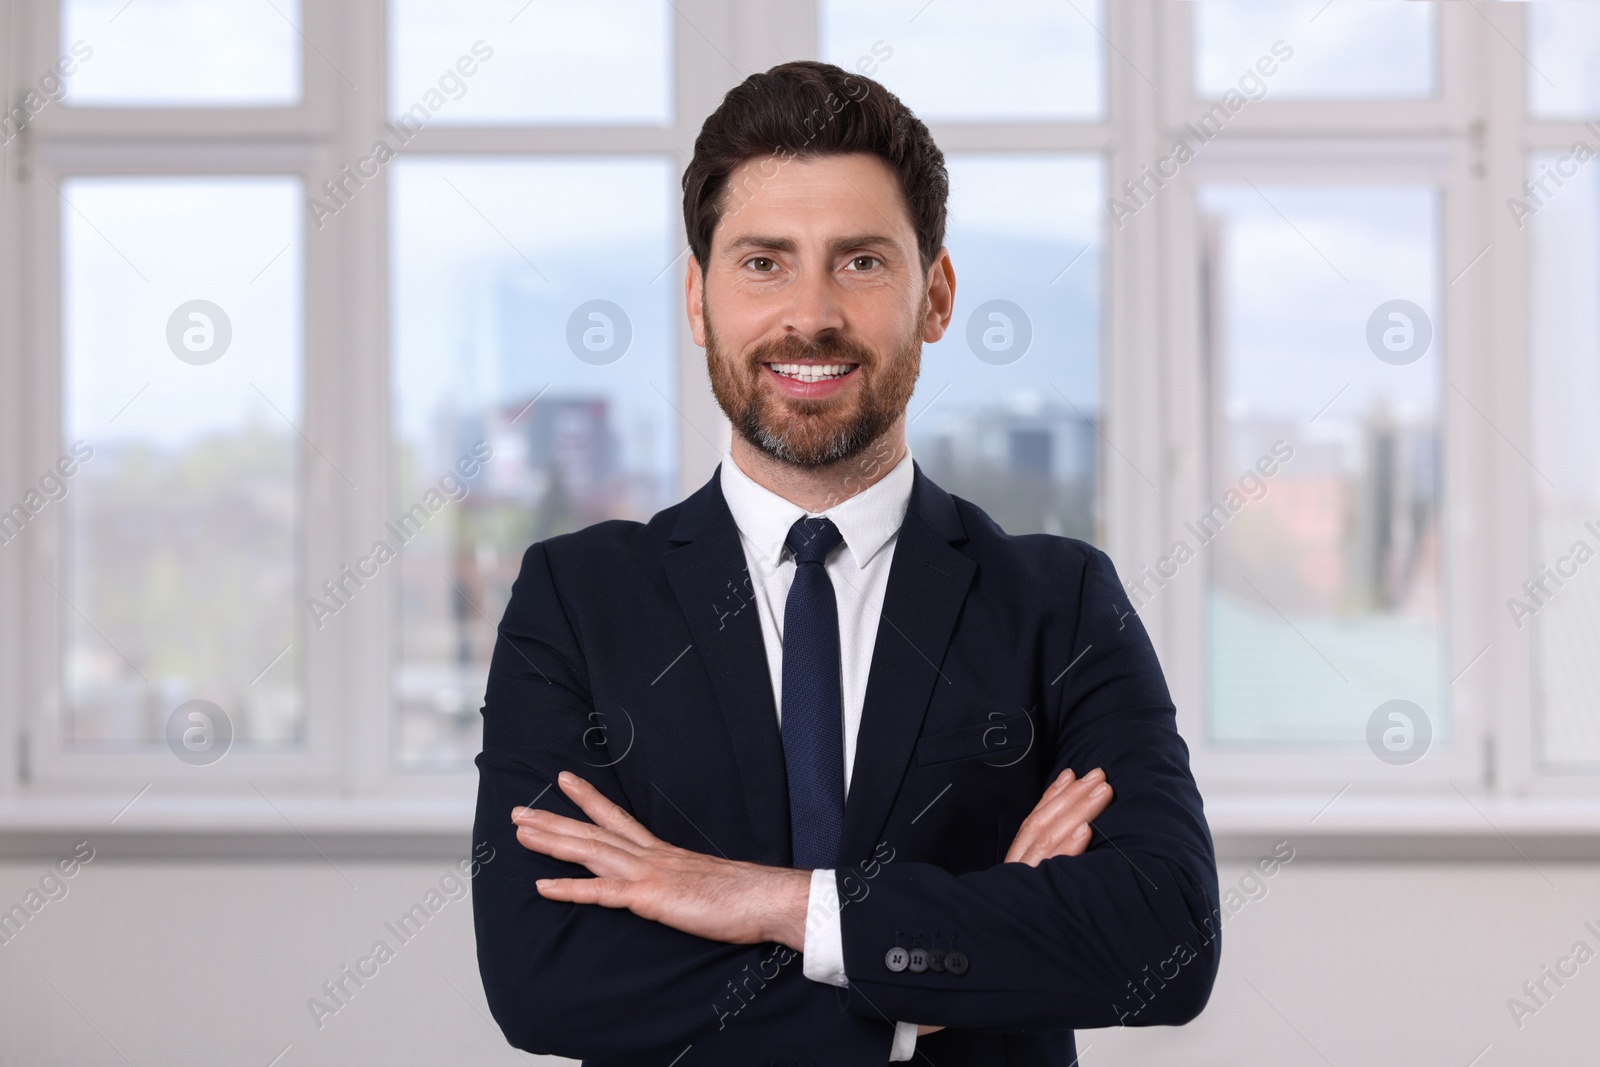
[{"x": 813, "y": 767}]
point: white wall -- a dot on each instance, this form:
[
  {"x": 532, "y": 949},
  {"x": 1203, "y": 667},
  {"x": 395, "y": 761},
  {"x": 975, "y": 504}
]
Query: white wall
[{"x": 1378, "y": 965}]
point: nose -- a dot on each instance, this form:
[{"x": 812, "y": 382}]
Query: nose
[{"x": 814, "y": 309}]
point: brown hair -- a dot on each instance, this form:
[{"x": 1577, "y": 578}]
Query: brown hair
[{"x": 806, "y": 110}]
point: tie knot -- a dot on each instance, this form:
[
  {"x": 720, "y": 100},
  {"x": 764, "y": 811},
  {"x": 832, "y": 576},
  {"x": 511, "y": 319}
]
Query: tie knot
[{"x": 811, "y": 539}]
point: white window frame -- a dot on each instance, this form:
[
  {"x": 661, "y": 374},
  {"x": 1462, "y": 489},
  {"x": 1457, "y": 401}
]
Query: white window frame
[
  {"x": 1469, "y": 140},
  {"x": 62, "y": 143},
  {"x": 1513, "y": 140}
]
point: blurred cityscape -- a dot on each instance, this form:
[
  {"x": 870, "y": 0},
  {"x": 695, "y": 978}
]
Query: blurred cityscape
[
  {"x": 1324, "y": 592},
  {"x": 1348, "y": 527},
  {"x": 182, "y": 583},
  {"x": 577, "y": 443},
  {"x": 557, "y": 466},
  {"x": 1325, "y": 595},
  {"x": 1030, "y": 465}
]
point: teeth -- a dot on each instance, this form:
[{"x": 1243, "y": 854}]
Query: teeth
[{"x": 811, "y": 372}]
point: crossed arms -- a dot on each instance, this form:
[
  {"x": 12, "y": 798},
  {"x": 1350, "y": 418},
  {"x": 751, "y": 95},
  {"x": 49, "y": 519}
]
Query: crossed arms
[
  {"x": 732, "y": 901},
  {"x": 630, "y": 962}
]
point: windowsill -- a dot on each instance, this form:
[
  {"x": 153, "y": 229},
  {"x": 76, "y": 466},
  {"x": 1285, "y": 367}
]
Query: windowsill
[
  {"x": 239, "y": 827},
  {"x": 1357, "y": 829},
  {"x": 1407, "y": 828}
]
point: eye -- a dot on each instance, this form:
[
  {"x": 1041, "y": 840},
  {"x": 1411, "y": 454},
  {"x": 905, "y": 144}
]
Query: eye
[
  {"x": 860, "y": 263},
  {"x": 761, "y": 264}
]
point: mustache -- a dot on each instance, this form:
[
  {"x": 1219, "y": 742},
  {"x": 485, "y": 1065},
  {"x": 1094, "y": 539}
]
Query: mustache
[{"x": 832, "y": 348}]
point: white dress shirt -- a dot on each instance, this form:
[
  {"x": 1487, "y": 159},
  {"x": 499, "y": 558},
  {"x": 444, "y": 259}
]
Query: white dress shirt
[{"x": 870, "y": 522}]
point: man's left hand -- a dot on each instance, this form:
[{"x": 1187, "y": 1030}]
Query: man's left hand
[{"x": 724, "y": 900}]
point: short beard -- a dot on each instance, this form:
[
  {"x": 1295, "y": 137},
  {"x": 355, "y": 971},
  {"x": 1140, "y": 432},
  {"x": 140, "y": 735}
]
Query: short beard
[{"x": 801, "y": 432}]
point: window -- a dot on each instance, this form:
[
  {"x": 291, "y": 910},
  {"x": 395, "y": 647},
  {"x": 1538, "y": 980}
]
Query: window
[
  {"x": 1563, "y": 73},
  {"x": 182, "y": 53},
  {"x": 1341, "y": 51},
  {"x": 1324, "y": 598},
  {"x": 937, "y": 57},
  {"x": 1007, "y": 410},
  {"x": 532, "y": 376},
  {"x": 605, "y": 61},
  {"x": 181, "y": 326},
  {"x": 1313, "y": 289},
  {"x": 533, "y": 352},
  {"x": 1553, "y": 596},
  {"x": 1560, "y": 606}
]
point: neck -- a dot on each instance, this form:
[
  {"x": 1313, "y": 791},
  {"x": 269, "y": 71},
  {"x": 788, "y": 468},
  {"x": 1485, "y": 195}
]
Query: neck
[{"x": 819, "y": 488}]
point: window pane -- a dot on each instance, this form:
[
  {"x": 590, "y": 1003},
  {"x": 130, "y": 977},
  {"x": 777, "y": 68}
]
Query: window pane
[
  {"x": 154, "y": 53},
  {"x": 1382, "y": 50},
  {"x": 1321, "y": 527},
  {"x": 532, "y": 370},
  {"x": 1007, "y": 409},
  {"x": 482, "y": 62},
  {"x": 1563, "y": 69},
  {"x": 182, "y": 347},
  {"x": 941, "y": 58},
  {"x": 1560, "y": 607}
]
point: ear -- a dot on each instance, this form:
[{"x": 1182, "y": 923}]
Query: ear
[
  {"x": 941, "y": 297},
  {"x": 694, "y": 297}
]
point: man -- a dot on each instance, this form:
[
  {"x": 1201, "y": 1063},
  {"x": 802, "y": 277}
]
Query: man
[{"x": 821, "y": 708}]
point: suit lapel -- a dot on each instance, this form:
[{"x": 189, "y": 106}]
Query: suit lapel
[
  {"x": 928, "y": 582},
  {"x": 708, "y": 574}
]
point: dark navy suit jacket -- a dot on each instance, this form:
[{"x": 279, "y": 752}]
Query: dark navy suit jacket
[{"x": 631, "y": 654}]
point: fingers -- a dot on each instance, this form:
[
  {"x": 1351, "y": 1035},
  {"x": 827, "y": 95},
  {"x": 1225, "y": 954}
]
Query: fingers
[
  {"x": 1058, "y": 824},
  {"x": 1084, "y": 799},
  {"x": 1065, "y": 790},
  {"x": 1068, "y": 818},
  {"x": 1070, "y": 797},
  {"x": 604, "y": 813},
  {"x": 599, "y": 850},
  {"x": 1067, "y": 829},
  {"x": 610, "y": 822},
  {"x": 1074, "y": 843},
  {"x": 603, "y": 891},
  {"x": 551, "y": 823},
  {"x": 1026, "y": 832}
]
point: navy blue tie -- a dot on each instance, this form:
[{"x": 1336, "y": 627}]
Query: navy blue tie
[{"x": 813, "y": 701}]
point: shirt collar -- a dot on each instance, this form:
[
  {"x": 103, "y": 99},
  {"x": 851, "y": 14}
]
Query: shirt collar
[{"x": 867, "y": 520}]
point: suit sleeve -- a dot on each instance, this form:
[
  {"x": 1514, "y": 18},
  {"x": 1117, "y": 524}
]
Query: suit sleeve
[
  {"x": 824, "y": 954},
  {"x": 596, "y": 983},
  {"x": 1124, "y": 934}
]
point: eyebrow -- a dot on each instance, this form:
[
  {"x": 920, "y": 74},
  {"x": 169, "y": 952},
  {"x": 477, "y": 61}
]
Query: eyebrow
[{"x": 788, "y": 244}]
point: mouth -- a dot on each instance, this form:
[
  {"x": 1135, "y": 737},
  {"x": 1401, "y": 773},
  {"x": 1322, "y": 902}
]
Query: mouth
[{"x": 811, "y": 373}]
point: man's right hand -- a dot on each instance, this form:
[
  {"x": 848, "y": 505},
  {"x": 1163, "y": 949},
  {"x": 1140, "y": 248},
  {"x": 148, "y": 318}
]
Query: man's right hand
[{"x": 1057, "y": 826}]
